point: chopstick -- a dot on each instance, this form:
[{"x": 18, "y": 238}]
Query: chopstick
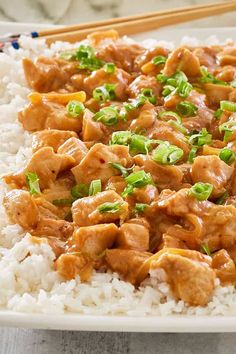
[
  {"x": 113, "y": 21},
  {"x": 138, "y": 23}
]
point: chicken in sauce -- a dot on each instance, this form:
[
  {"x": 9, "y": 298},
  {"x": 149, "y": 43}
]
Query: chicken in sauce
[{"x": 133, "y": 163}]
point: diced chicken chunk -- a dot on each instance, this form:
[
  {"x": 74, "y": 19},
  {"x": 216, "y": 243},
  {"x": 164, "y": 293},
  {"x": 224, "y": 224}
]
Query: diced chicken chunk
[
  {"x": 144, "y": 82},
  {"x": 99, "y": 77},
  {"x": 47, "y": 74},
  {"x": 211, "y": 169},
  {"x": 21, "y": 208},
  {"x": 182, "y": 59},
  {"x": 126, "y": 262},
  {"x": 60, "y": 229},
  {"x": 85, "y": 211},
  {"x": 48, "y": 115},
  {"x": 189, "y": 275},
  {"x": 93, "y": 240},
  {"x": 224, "y": 267},
  {"x": 134, "y": 237},
  {"x": 75, "y": 148},
  {"x": 91, "y": 130},
  {"x": 51, "y": 137},
  {"x": 71, "y": 265},
  {"x": 96, "y": 163}
]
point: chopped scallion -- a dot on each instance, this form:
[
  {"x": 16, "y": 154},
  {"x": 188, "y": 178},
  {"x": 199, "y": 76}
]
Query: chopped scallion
[
  {"x": 75, "y": 108},
  {"x": 186, "y": 109},
  {"x": 192, "y": 154},
  {"x": 209, "y": 78},
  {"x": 95, "y": 187},
  {"x": 167, "y": 154},
  {"x": 107, "y": 115},
  {"x": 32, "y": 182},
  {"x": 148, "y": 93},
  {"x": 124, "y": 171},
  {"x": 201, "y": 138},
  {"x": 205, "y": 249},
  {"x": 201, "y": 191},
  {"x": 139, "y": 179},
  {"x": 110, "y": 207},
  {"x": 80, "y": 190},
  {"x": 227, "y": 155},
  {"x": 109, "y": 68},
  {"x": 104, "y": 93},
  {"x": 228, "y": 106},
  {"x": 222, "y": 199},
  {"x": 140, "y": 207},
  {"x": 160, "y": 59},
  {"x": 120, "y": 138},
  {"x": 218, "y": 113},
  {"x": 228, "y": 128}
]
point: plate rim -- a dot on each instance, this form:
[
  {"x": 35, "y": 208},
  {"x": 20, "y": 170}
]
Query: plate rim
[{"x": 121, "y": 323}]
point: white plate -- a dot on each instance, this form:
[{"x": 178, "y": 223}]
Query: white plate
[{"x": 124, "y": 323}]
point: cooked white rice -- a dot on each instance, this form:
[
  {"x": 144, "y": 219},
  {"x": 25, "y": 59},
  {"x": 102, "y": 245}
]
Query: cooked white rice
[{"x": 29, "y": 283}]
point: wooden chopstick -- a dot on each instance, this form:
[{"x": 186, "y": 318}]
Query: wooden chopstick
[
  {"x": 113, "y": 21},
  {"x": 145, "y": 22}
]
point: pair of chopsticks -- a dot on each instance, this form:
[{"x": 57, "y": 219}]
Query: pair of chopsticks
[{"x": 127, "y": 25}]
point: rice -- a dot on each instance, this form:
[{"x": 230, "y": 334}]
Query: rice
[{"x": 28, "y": 280}]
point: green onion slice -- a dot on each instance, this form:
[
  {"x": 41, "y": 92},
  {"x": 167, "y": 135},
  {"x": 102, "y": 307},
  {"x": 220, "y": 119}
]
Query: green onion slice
[
  {"x": 201, "y": 138},
  {"x": 160, "y": 59},
  {"x": 139, "y": 179},
  {"x": 104, "y": 93},
  {"x": 110, "y": 207},
  {"x": 123, "y": 171},
  {"x": 148, "y": 93},
  {"x": 218, "y": 113},
  {"x": 227, "y": 155},
  {"x": 127, "y": 191},
  {"x": 32, "y": 182},
  {"x": 222, "y": 199},
  {"x": 75, "y": 108},
  {"x": 120, "y": 138},
  {"x": 171, "y": 114},
  {"x": 192, "y": 154},
  {"x": 167, "y": 154},
  {"x": 228, "y": 106},
  {"x": 140, "y": 207},
  {"x": 95, "y": 187},
  {"x": 209, "y": 78},
  {"x": 109, "y": 68},
  {"x": 228, "y": 128},
  {"x": 80, "y": 190},
  {"x": 186, "y": 109},
  {"x": 205, "y": 249},
  {"x": 161, "y": 78},
  {"x": 107, "y": 115},
  {"x": 201, "y": 191}
]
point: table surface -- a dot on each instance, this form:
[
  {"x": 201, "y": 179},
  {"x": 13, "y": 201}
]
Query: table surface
[{"x": 23, "y": 341}]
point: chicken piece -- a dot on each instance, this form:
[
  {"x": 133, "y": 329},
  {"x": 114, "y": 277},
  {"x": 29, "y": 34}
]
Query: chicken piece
[
  {"x": 96, "y": 163},
  {"x": 120, "y": 79},
  {"x": 216, "y": 93},
  {"x": 182, "y": 59},
  {"x": 69, "y": 266},
  {"x": 52, "y": 137},
  {"x": 163, "y": 176},
  {"x": 91, "y": 130},
  {"x": 46, "y": 209},
  {"x": 146, "y": 194},
  {"x": 117, "y": 184},
  {"x": 60, "y": 229},
  {"x": 48, "y": 115},
  {"x": 226, "y": 73},
  {"x": 144, "y": 121},
  {"x": 227, "y": 56},
  {"x": 122, "y": 55},
  {"x": 149, "y": 54},
  {"x": 206, "y": 56},
  {"x": 94, "y": 240},
  {"x": 126, "y": 262},
  {"x": 75, "y": 148},
  {"x": 144, "y": 82},
  {"x": 171, "y": 242},
  {"x": 21, "y": 208},
  {"x": 164, "y": 131},
  {"x": 224, "y": 267},
  {"x": 48, "y": 74},
  {"x": 133, "y": 237},
  {"x": 211, "y": 169},
  {"x": 85, "y": 211},
  {"x": 189, "y": 275},
  {"x": 203, "y": 222}
]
